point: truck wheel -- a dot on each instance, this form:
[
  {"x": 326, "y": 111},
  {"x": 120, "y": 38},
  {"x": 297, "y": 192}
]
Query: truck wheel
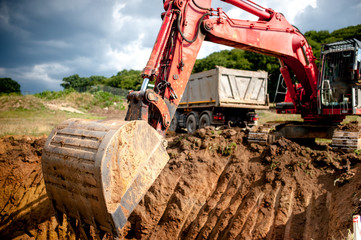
[
  {"x": 191, "y": 123},
  {"x": 204, "y": 121},
  {"x": 173, "y": 124}
]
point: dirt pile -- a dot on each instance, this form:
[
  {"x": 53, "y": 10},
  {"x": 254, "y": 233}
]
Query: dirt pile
[
  {"x": 25, "y": 210},
  {"x": 350, "y": 127},
  {"x": 215, "y": 186},
  {"x": 28, "y": 102}
]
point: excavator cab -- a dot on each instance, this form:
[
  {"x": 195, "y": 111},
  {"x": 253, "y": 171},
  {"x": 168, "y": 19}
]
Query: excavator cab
[{"x": 340, "y": 83}]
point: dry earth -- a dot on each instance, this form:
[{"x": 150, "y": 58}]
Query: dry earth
[{"x": 214, "y": 187}]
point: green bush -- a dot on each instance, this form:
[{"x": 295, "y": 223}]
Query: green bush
[
  {"x": 106, "y": 99},
  {"x": 86, "y": 100},
  {"x": 52, "y": 95}
]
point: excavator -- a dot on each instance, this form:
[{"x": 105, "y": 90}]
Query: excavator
[{"x": 97, "y": 171}]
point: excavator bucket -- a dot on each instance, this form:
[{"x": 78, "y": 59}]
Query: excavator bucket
[{"x": 96, "y": 172}]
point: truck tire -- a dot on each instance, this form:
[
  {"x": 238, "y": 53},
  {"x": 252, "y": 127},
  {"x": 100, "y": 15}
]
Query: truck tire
[
  {"x": 174, "y": 124},
  {"x": 204, "y": 121},
  {"x": 191, "y": 123}
]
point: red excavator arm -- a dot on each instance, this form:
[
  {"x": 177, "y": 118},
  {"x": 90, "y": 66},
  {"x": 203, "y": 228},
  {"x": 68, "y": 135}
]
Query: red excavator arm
[
  {"x": 96, "y": 172},
  {"x": 186, "y": 23}
]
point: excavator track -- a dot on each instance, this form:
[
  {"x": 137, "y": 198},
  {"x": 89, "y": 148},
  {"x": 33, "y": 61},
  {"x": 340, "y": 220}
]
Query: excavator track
[
  {"x": 346, "y": 140},
  {"x": 344, "y": 137},
  {"x": 96, "y": 172},
  {"x": 262, "y": 134}
]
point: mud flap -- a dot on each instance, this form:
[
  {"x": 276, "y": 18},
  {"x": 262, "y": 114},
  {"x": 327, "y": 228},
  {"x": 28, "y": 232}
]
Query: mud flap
[{"x": 98, "y": 171}]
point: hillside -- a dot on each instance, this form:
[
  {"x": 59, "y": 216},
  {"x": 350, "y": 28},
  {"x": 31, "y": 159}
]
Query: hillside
[{"x": 38, "y": 114}]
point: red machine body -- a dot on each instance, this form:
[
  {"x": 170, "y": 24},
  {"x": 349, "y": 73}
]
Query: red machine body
[{"x": 186, "y": 23}]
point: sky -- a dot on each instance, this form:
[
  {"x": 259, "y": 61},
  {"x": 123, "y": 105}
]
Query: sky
[{"x": 43, "y": 41}]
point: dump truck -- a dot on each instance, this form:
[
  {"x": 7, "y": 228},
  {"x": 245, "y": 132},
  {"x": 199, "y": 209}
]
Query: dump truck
[{"x": 221, "y": 96}]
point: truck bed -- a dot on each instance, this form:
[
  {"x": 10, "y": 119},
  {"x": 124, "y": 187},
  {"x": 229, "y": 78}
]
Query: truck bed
[{"x": 228, "y": 88}]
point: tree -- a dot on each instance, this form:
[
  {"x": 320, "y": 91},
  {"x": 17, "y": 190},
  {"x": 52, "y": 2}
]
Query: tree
[
  {"x": 227, "y": 58},
  {"x": 95, "y": 80},
  {"x": 76, "y": 82},
  {"x": 126, "y": 79},
  {"x": 317, "y": 38},
  {"x": 73, "y": 81},
  {"x": 7, "y": 85}
]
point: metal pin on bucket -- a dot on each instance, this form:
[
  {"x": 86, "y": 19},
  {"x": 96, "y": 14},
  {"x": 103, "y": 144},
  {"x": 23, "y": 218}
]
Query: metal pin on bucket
[{"x": 357, "y": 227}]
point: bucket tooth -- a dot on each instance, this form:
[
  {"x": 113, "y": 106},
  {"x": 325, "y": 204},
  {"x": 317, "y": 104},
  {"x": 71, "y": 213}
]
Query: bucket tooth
[
  {"x": 73, "y": 223},
  {"x": 101, "y": 234},
  {"x": 83, "y": 234},
  {"x": 59, "y": 217},
  {"x": 97, "y": 231},
  {"x": 86, "y": 231},
  {"x": 83, "y": 228},
  {"x": 98, "y": 171}
]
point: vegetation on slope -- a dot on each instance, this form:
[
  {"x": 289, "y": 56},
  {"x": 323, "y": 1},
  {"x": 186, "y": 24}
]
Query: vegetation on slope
[{"x": 38, "y": 114}]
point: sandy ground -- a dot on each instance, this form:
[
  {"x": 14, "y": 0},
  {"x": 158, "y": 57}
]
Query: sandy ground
[
  {"x": 215, "y": 186},
  {"x": 62, "y": 108}
]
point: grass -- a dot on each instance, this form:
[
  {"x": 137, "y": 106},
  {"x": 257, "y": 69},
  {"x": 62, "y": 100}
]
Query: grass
[
  {"x": 84, "y": 101},
  {"x": 28, "y": 115},
  {"x": 352, "y": 119},
  {"x": 34, "y": 122},
  {"x": 268, "y": 116}
]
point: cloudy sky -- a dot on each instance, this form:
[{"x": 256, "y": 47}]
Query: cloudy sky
[{"x": 42, "y": 41}]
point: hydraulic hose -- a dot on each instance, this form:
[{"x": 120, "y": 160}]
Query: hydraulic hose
[
  {"x": 203, "y": 8},
  {"x": 198, "y": 29}
]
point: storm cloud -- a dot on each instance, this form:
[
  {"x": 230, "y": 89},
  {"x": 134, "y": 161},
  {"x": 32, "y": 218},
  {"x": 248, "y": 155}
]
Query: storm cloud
[
  {"x": 43, "y": 41},
  {"x": 330, "y": 15}
]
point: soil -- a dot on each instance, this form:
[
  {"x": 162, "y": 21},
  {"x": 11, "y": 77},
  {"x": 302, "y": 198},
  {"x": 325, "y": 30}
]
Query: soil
[
  {"x": 350, "y": 127},
  {"x": 25, "y": 210},
  {"x": 62, "y": 107},
  {"x": 215, "y": 186}
]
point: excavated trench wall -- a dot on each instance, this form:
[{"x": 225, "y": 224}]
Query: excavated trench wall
[{"x": 214, "y": 187}]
